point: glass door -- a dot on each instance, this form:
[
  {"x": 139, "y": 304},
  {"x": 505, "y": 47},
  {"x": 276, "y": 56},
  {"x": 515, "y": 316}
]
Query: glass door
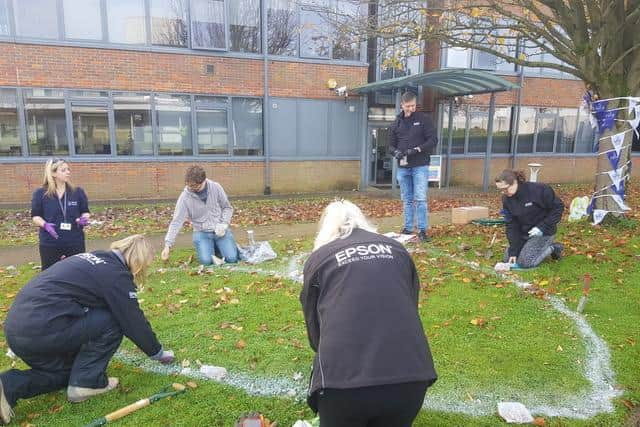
[{"x": 380, "y": 161}]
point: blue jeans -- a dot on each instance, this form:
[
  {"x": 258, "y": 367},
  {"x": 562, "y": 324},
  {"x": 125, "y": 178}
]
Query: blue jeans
[
  {"x": 207, "y": 244},
  {"x": 414, "y": 185}
]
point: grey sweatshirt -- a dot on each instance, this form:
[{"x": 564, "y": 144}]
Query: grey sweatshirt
[{"x": 204, "y": 216}]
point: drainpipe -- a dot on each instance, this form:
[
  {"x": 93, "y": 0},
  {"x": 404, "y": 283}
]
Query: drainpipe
[
  {"x": 394, "y": 162},
  {"x": 266, "y": 106}
]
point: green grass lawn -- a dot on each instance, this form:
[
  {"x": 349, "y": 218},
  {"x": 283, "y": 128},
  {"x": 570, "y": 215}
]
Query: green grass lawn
[{"x": 491, "y": 341}]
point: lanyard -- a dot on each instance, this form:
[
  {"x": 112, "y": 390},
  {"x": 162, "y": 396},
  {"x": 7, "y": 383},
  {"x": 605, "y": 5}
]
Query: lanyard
[{"x": 63, "y": 207}]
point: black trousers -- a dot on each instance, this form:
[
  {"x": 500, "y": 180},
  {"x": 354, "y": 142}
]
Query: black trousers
[
  {"x": 77, "y": 356},
  {"x": 394, "y": 405},
  {"x": 49, "y": 255}
]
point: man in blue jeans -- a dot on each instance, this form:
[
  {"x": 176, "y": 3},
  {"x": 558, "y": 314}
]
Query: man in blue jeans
[
  {"x": 206, "y": 205},
  {"x": 412, "y": 137}
]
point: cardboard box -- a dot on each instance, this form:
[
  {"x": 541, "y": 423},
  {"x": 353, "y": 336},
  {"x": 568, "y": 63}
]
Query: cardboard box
[{"x": 465, "y": 214}]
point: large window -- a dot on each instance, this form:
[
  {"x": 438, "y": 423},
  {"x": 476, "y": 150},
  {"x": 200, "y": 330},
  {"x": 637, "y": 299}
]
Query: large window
[
  {"x": 247, "y": 127},
  {"x": 132, "y": 114},
  {"x": 501, "y": 130},
  {"x": 169, "y": 22},
  {"x": 36, "y": 18},
  {"x": 211, "y": 125},
  {"x": 126, "y": 21},
  {"x": 314, "y": 35},
  {"x": 345, "y": 45},
  {"x": 45, "y": 120},
  {"x": 207, "y": 24},
  {"x": 459, "y": 129},
  {"x": 526, "y": 129},
  {"x": 90, "y": 128},
  {"x": 5, "y": 28},
  {"x": 478, "y": 121},
  {"x": 9, "y": 136},
  {"x": 244, "y": 25},
  {"x": 567, "y": 125},
  {"x": 546, "y": 130},
  {"x": 282, "y": 25},
  {"x": 174, "y": 125},
  {"x": 82, "y": 19}
]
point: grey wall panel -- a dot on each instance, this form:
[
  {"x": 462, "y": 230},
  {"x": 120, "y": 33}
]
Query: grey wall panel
[
  {"x": 312, "y": 127},
  {"x": 344, "y": 128},
  {"x": 283, "y": 127}
]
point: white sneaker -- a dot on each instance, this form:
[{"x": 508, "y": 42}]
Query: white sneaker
[
  {"x": 5, "y": 409},
  {"x": 80, "y": 394}
]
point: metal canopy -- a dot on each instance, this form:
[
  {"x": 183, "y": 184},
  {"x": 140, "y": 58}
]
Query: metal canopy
[{"x": 456, "y": 82}]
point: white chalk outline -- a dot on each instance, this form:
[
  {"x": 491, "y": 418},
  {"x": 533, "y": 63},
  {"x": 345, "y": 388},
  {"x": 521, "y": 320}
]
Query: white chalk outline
[{"x": 597, "y": 369}]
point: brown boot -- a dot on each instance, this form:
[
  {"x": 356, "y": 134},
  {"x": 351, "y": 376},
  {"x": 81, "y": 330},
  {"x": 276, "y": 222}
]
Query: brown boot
[{"x": 80, "y": 394}]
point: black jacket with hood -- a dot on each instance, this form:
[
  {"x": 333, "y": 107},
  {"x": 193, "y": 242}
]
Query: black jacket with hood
[
  {"x": 360, "y": 303},
  {"x": 533, "y": 205}
]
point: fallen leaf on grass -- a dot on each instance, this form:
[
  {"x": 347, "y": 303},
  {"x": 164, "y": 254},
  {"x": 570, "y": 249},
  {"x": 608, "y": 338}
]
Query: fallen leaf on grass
[
  {"x": 192, "y": 384},
  {"x": 478, "y": 321},
  {"x": 538, "y": 421},
  {"x": 241, "y": 344}
]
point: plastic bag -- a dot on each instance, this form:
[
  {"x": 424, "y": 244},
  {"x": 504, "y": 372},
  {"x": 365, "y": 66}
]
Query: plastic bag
[
  {"x": 514, "y": 412},
  {"x": 578, "y": 208},
  {"x": 257, "y": 253}
]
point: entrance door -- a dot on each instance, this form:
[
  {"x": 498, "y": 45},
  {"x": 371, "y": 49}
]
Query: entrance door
[{"x": 380, "y": 162}]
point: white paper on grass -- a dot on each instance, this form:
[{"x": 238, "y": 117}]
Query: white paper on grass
[
  {"x": 214, "y": 372},
  {"x": 514, "y": 412}
]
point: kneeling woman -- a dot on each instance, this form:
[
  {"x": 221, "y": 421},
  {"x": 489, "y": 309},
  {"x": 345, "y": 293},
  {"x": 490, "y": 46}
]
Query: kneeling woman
[
  {"x": 532, "y": 211},
  {"x": 67, "y": 322},
  {"x": 360, "y": 301}
]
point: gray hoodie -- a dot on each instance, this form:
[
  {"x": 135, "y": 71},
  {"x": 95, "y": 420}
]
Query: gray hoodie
[{"x": 204, "y": 216}]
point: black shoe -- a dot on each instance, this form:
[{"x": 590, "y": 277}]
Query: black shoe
[
  {"x": 556, "y": 253},
  {"x": 405, "y": 231},
  {"x": 422, "y": 235}
]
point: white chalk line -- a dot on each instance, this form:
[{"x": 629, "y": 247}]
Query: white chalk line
[{"x": 597, "y": 369}]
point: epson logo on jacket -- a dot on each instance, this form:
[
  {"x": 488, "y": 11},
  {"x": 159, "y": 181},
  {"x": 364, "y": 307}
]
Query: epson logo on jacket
[{"x": 363, "y": 252}]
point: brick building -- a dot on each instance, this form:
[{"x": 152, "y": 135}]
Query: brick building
[{"x": 131, "y": 92}]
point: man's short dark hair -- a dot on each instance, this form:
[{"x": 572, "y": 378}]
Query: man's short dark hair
[
  {"x": 408, "y": 97},
  {"x": 195, "y": 175}
]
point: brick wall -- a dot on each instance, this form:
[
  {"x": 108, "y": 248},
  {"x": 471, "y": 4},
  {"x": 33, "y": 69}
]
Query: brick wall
[
  {"x": 87, "y": 68},
  {"x": 138, "y": 180},
  {"x": 557, "y": 169}
]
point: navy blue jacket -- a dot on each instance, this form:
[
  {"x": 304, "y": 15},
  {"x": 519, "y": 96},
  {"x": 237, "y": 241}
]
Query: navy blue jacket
[
  {"x": 360, "y": 304},
  {"x": 60, "y": 295},
  {"x": 411, "y": 132},
  {"x": 534, "y": 205},
  {"x": 49, "y": 209}
]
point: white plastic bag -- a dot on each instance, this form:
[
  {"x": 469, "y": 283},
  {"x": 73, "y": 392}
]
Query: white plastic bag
[
  {"x": 257, "y": 253},
  {"x": 578, "y": 208},
  {"x": 214, "y": 372},
  {"x": 514, "y": 412}
]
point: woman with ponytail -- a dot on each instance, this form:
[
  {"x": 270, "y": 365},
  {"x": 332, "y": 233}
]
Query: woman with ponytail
[
  {"x": 68, "y": 321},
  {"x": 61, "y": 211},
  {"x": 532, "y": 211}
]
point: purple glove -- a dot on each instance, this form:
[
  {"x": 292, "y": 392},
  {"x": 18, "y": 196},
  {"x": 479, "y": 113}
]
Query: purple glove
[
  {"x": 164, "y": 357},
  {"x": 83, "y": 221},
  {"x": 51, "y": 229}
]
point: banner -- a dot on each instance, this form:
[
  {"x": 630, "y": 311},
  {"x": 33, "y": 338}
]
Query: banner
[
  {"x": 598, "y": 216},
  {"x": 617, "y": 141},
  {"x": 614, "y": 157},
  {"x": 620, "y": 202}
]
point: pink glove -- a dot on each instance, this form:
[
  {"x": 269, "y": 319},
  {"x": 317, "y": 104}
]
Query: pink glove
[
  {"x": 51, "y": 229},
  {"x": 83, "y": 221}
]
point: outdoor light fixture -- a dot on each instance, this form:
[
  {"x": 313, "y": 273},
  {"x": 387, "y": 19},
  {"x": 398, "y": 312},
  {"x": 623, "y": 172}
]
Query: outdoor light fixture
[{"x": 332, "y": 84}]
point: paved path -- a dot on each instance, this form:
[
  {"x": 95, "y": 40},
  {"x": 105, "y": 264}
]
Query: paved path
[{"x": 23, "y": 254}]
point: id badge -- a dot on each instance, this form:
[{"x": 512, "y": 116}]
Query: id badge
[
  {"x": 65, "y": 226},
  {"x": 403, "y": 161}
]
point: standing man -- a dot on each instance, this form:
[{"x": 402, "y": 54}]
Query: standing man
[
  {"x": 205, "y": 204},
  {"x": 412, "y": 138}
]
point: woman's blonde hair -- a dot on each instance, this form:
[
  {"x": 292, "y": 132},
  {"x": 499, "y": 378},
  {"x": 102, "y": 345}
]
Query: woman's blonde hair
[
  {"x": 338, "y": 221},
  {"x": 49, "y": 182},
  {"x": 137, "y": 253}
]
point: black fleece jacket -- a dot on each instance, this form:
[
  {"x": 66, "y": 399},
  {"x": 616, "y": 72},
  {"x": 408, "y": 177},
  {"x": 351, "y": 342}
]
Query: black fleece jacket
[
  {"x": 415, "y": 131},
  {"x": 360, "y": 303},
  {"x": 533, "y": 205},
  {"x": 61, "y": 294}
]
